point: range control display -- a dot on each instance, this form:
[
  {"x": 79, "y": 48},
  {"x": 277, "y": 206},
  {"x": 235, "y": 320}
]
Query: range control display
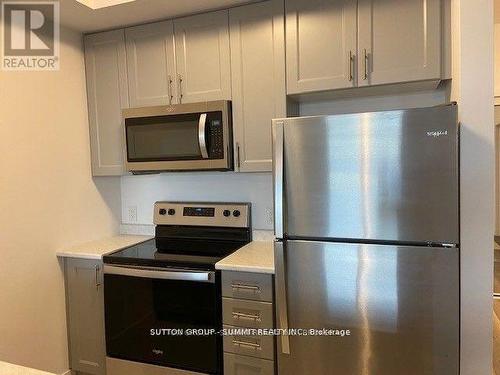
[{"x": 199, "y": 211}]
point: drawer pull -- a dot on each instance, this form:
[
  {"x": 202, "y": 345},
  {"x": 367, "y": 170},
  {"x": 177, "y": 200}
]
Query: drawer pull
[
  {"x": 254, "y": 288},
  {"x": 239, "y": 315},
  {"x": 251, "y": 345}
]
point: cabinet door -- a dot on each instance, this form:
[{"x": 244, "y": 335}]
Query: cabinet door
[
  {"x": 320, "y": 45},
  {"x": 150, "y": 63},
  {"x": 202, "y": 54},
  {"x": 85, "y": 311},
  {"x": 399, "y": 41},
  {"x": 107, "y": 92},
  {"x": 258, "y": 81}
]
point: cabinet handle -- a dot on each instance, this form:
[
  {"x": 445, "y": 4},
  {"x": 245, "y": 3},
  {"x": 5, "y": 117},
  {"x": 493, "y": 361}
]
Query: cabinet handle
[
  {"x": 365, "y": 76},
  {"x": 180, "y": 87},
  {"x": 247, "y": 344},
  {"x": 238, "y": 155},
  {"x": 97, "y": 282},
  {"x": 351, "y": 66},
  {"x": 239, "y": 315},
  {"x": 170, "y": 89},
  {"x": 253, "y": 288}
]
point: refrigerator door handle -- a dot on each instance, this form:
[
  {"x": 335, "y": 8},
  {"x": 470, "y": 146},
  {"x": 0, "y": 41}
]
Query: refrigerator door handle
[
  {"x": 278, "y": 176},
  {"x": 281, "y": 296}
]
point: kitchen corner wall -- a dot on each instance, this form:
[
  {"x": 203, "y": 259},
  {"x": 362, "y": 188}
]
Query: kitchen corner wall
[
  {"x": 48, "y": 201},
  {"x": 140, "y": 192}
]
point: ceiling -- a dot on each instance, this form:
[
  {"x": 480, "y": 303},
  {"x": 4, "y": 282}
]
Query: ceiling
[{"x": 98, "y": 15}]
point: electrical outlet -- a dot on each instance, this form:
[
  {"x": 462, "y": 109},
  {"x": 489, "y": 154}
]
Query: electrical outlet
[
  {"x": 132, "y": 214},
  {"x": 269, "y": 216}
]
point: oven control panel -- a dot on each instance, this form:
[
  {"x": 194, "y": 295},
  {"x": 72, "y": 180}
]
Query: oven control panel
[{"x": 204, "y": 214}]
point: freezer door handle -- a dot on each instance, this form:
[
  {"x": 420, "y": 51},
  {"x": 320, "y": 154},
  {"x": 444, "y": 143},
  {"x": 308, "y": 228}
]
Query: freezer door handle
[
  {"x": 278, "y": 176},
  {"x": 281, "y": 296}
]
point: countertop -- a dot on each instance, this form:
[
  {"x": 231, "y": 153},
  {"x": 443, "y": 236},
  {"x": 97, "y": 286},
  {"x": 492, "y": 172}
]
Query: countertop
[
  {"x": 257, "y": 256},
  {"x": 96, "y": 249}
]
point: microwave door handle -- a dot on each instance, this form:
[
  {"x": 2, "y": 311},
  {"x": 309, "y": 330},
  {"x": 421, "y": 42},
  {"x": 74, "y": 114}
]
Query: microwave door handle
[{"x": 201, "y": 135}]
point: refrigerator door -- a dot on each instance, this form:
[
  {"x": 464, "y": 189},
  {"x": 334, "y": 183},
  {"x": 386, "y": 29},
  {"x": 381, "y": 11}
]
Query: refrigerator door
[
  {"x": 399, "y": 303},
  {"x": 387, "y": 176}
]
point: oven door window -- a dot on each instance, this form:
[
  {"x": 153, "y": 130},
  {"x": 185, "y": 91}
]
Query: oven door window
[
  {"x": 136, "y": 309},
  {"x": 174, "y": 137}
]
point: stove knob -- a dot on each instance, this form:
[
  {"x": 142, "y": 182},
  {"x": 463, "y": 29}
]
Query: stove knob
[
  {"x": 162, "y": 211},
  {"x": 171, "y": 211},
  {"x": 226, "y": 213},
  {"x": 236, "y": 213}
]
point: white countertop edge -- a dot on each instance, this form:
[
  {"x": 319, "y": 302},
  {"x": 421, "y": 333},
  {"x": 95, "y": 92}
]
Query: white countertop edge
[
  {"x": 69, "y": 254},
  {"x": 254, "y": 269}
]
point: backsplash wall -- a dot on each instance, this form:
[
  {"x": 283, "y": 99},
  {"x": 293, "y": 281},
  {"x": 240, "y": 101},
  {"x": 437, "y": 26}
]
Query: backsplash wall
[{"x": 140, "y": 192}]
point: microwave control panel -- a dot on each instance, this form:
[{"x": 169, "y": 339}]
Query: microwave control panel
[{"x": 216, "y": 143}]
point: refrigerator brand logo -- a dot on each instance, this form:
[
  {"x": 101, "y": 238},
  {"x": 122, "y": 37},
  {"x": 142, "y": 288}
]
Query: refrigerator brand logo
[
  {"x": 157, "y": 352},
  {"x": 437, "y": 133},
  {"x": 30, "y": 35}
]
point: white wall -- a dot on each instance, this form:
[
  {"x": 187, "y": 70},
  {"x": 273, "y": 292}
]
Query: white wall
[
  {"x": 48, "y": 201},
  {"x": 142, "y": 191},
  {"x": 473, "y": 75}
]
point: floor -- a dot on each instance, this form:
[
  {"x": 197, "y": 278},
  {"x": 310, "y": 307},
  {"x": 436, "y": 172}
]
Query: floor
[{"x": 10, "y": 369}]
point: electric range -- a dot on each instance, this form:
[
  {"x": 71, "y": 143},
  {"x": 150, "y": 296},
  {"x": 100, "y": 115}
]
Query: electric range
[{"x": 158, "y": 291}]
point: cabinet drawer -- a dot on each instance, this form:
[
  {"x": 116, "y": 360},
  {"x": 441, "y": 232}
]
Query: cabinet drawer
[
  {"x": 247, "y": 285},
  {"x": 241, "y": 365},
  {"x": 245, "y": 313},
  {"x": 251, "y": 345}
]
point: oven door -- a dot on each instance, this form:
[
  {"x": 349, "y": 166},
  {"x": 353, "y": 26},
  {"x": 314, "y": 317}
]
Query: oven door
[
  {"x": 149, "y": 310},
  {"x": 190, "y": 137}
]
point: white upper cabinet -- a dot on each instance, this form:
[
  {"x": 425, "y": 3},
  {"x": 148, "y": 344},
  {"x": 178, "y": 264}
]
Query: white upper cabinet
[
  {"x": 107, "y": 93},
  {"x": 202, "y": 54},
  {"x": 399, "y": 41},
  {"x": 151, "y": 65},
  {"x": 320, "y": 44},
  {"x": 258, "y": 81}
]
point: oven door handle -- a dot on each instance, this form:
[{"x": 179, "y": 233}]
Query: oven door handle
[
  {"x": 160, "y": 273},
  {"x": 202, "y": 123}
]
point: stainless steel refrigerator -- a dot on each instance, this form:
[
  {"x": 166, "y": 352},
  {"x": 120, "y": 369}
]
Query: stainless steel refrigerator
[{"x": 367, "y": 228}]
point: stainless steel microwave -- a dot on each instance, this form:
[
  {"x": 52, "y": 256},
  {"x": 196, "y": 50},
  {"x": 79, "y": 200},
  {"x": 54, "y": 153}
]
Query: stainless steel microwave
[{"x": 180, "y": 137}]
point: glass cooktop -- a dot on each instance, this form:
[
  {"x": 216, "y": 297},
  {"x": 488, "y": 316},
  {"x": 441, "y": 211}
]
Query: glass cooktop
[{"x": 192, "y": 254}]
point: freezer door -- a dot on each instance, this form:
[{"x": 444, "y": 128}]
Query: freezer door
[
  {"x": 379, "y": 176},
  {"x": 400, "y": 305}
]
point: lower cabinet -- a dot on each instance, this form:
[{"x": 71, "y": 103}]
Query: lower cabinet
[
  {"x": 85, "y": 315},
  {"x": 247, "y": 305}
]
